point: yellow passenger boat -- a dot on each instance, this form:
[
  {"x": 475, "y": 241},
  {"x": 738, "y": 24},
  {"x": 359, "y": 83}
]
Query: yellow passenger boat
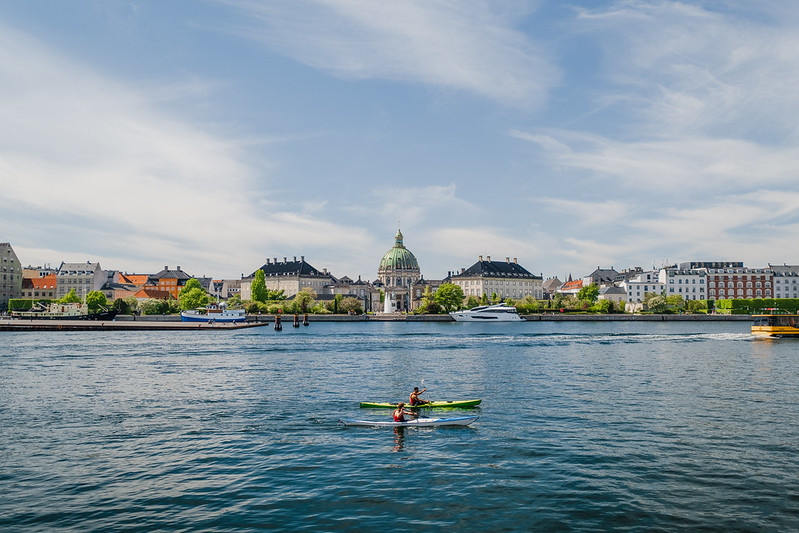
[{"x": 775, "y": 325}]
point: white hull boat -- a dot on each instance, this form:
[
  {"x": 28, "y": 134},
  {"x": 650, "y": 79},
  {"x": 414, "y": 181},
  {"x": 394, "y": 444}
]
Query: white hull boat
[
  {"x": 488, "y": 313},
  {"x": 414, "y": 422}
]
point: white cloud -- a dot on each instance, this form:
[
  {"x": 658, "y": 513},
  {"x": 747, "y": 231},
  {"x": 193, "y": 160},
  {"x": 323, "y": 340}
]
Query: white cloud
[
  {"x": 107, "y": 174},
  {"x": 415, "y": 206},
  {"x": 686, "y": 68},
  {"x": 471, "y": 47}
]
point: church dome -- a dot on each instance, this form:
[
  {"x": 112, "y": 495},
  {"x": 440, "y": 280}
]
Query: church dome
[{"x": 399, "y": 257}]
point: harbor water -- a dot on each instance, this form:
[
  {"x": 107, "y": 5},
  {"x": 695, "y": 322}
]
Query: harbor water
[{"x": 584, "y": 426}]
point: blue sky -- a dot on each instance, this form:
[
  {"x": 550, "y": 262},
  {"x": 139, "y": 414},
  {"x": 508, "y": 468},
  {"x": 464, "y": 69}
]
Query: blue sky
[{"x": 215, "y": 134}]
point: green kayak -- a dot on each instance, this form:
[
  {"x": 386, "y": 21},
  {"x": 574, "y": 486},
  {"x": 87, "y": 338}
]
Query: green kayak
[{"x": 454, "y": 403}]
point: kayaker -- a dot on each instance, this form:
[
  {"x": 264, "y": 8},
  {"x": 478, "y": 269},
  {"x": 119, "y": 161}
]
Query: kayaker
[
  {"x": 415, "y": 400},
  {"x": 400, "y": 412}
]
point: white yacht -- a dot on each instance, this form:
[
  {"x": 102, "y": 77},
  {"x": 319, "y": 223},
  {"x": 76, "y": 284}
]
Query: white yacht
[{"x": 488, "y": 313}]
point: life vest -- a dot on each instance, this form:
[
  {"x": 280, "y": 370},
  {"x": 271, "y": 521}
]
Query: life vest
[{"x": 400, "y": 417}]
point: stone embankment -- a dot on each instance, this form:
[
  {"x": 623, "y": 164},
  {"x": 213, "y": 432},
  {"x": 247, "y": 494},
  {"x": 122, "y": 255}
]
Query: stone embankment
[{"x": 172, "y": 322}]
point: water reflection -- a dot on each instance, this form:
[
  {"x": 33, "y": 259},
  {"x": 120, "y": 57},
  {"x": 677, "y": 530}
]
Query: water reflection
[{"x": 399, "y": 439}]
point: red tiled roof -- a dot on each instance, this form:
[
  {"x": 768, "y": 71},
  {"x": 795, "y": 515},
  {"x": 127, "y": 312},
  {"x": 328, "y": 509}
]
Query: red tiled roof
[
  {"x": 153, "y": 293},
  {"x": 571, "y": 285},
  {"x": 47, "y": 282}
]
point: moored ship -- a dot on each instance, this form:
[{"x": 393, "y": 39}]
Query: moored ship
[
  {"x": 214, "y": 313},
  {"x": 58, "y": 311}
]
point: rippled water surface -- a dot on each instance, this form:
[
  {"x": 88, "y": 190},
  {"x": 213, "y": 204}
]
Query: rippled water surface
[{"x": 583, "y": 427}]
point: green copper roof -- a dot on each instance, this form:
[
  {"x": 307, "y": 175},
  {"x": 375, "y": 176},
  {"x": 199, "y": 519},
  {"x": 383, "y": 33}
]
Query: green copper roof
[{"x": 399, "y": 257}]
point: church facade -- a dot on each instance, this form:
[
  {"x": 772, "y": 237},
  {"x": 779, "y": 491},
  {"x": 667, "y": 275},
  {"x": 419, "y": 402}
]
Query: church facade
[{"x": 397, "y": 276}]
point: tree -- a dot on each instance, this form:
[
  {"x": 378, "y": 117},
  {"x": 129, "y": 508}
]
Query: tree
[
  {"x": 191, "y": 284},
  {"x": 589, "y": 293},
  {"x": 304, "y": 300},
  {"x": 472, "y": 301},
  {"x": 350, "y": 304},
  {"x": 121, "y": 307},
  {"x": 70, "y": 298},
  {"x": 429, "y": 304},
  {"x": 96, "y": 300},
  {"x": 192, "y": 295},
  {"x": 449, "y": 296},
  {"x": 258, "y": 287},
  {"x": 528, "y": 305},
  {"x": 494, "y": 298},
  {"x": 234, "y": 301},
  {"x": 484, "y": 299},
  {"x": 275, "y": 295},
  {"x": 557, "y": 301},
  {"x": 655, "y": 302},
  {"x": 603, "y": 306}
]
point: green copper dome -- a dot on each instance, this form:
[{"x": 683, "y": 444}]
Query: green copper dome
[{"x": 399, "y": 257}]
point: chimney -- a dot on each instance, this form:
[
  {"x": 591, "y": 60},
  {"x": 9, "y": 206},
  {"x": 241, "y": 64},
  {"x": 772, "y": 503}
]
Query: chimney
[
  {"x": 267, "y": 260},
  {"x": 488, "y": 258},
  {"x": 302, "y": 258},
  {"x": 178, "y": 268},
  {"x": 464, "y": 270},
  {"x": 284, "y": 260},
  {"x": 507, "y": 259},
  {"x": 166, "y": 267},
  {"x": 515, "y": 261},
  {"x": 295, "y": 258},
  {"x": 275, "y": 260},
  {"x": 481, "y": 258}
]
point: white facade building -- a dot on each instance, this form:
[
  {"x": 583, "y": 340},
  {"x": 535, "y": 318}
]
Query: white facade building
[
  {"x": 691, "y": 284},
  {"x": 642, "y": 283},
  {"x": 786, "y": 280}
]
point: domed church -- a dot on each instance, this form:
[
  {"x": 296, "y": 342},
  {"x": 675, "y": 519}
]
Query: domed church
[{"x": 398, "y": 272}]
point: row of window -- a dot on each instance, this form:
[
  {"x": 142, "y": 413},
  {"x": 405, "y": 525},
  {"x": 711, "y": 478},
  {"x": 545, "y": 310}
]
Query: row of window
[
  {"x": 739, "y": 284},
  {"x": 679, "y": 289},
  {"x": 740, "y": 293}
]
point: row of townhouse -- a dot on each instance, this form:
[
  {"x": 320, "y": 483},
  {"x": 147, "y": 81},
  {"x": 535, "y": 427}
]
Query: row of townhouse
[{"x": 694, "y": 280}]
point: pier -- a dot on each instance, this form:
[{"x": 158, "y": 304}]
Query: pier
[{"x": 17, "y": 324}]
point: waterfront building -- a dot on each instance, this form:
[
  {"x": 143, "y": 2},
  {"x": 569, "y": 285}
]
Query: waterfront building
[
  {"x": 639, "y": 285},
  {"x": 786, "y": 280},
  {"x": 150, "y": 292},
  {"x": 690, "y": 283},
  {"x": 37, "y": 272},
  {"x": 121, "y": 285},
  {"x": 169, "y": 281},
  {"x": 39, "y": 288},
  {"x": 397, "y": 273},
  {"x": 10, "y": 276},
  {"x": 731, "y": 280},
  {"x": 83, "y": 277},
  {"x": 572, "y": 287},
  {"x": 506, "y": 279},
  {"x": 551, "y": 286},
  {"x": 602, "y": 277},
  {"x": 288, "y": 276},
  {"x": 367, "y": 293},
  {"x": 613, "y": 293}
]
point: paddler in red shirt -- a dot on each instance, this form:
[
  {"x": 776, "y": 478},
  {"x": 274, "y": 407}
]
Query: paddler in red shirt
[{"x": 400, "y": 412}]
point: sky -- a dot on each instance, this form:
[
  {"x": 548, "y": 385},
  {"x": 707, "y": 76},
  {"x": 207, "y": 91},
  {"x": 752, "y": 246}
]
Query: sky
[{"x": 570, "y": 135}]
